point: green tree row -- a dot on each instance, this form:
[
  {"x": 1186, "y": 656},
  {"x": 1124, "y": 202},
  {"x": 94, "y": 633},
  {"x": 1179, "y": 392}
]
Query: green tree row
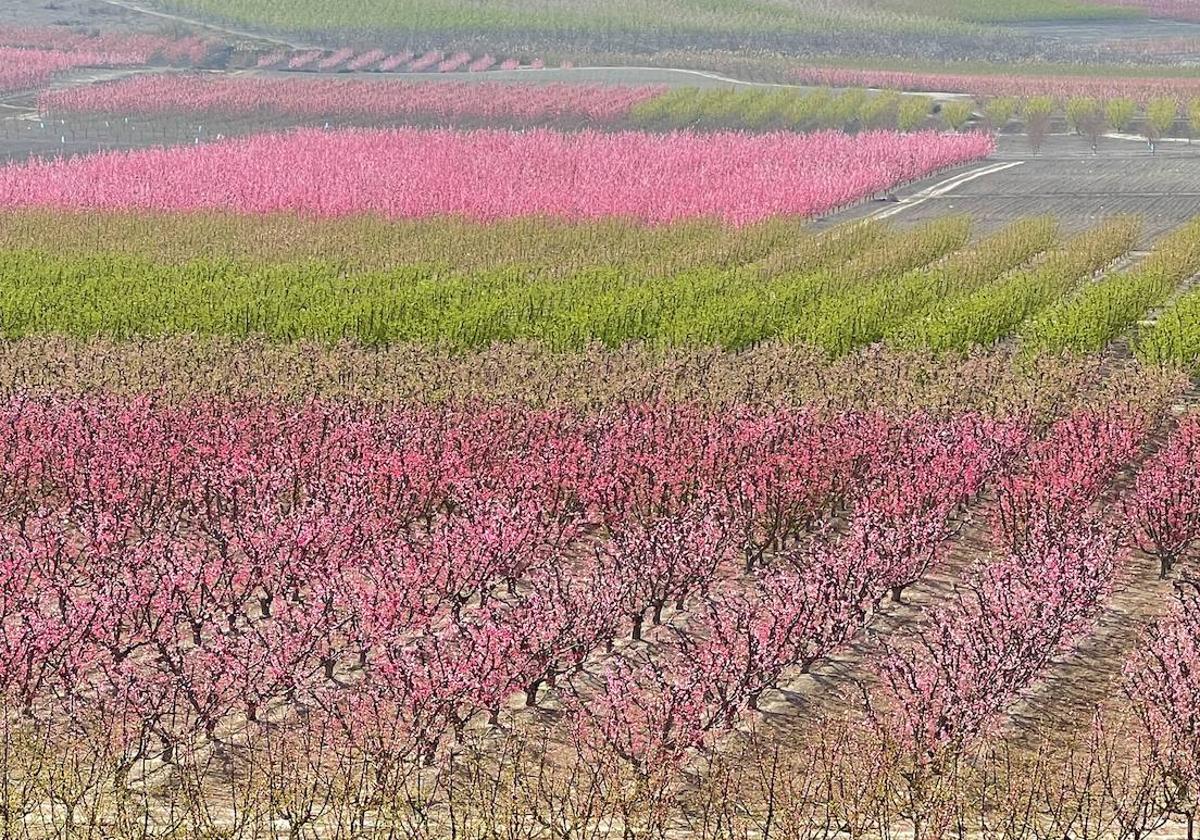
[
  {"x": 993, "y": 311},
  {"x": 1087, "y": 115},
  {"x": 1099, "y": 312},
  {"x": 124, "y": 296},
  {"x": 543, "y": 245},
  {"x": 1174, "y": 339},
  {"x": 789, "y": 109},
  {"x": 850, "y": 318},
  {"x": 927, "y": 288},
  {"x": 795, "y": 109}
]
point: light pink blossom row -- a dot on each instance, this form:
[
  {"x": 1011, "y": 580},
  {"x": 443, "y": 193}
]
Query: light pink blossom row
[
  {"x": 1141, "y": 89},
  {"x": 143, "y": 46},
  {"x": 1163, "y": 680},
  {"x": 806, "y": 604},
  {"x": 395, "y": 61},
  {"x": 1165, "y": 508},
  {"x": 336, "y": 59},
  {"x": 367, "y": 59},
  {"x": 1000, "y": 630},
  {"x": 949, "y": 684},
  {"x": 457, "y": 61},
  {"x": 407, "y": 173},
  {"x": 22, "y": 69},
  {"x": 301, "y": 60},
  {"x": 1170, "y": 9},
  {"x": 1163, "y": 677},
  {"x": 238, "y": 96}
]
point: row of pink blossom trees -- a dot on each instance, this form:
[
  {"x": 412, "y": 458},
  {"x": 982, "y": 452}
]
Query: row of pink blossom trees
[
  {"x": 31, "y": 57},
  {"x": 1062, "y": 87},
  {"x": 1017, "y": 609},
  {"x": 802, "y": 602},
  {"x": 22, "y": 69},
  {"x": 1165, "y": 507},
  {"x": 946, "y": 685},
  {"x": 1162, "y": 678},
  {"x": 181, "y": 94},
  {"x": 137, "y": 47},
  {"x": 406, "y": 173},
  {"x": 405, "y": 574}
]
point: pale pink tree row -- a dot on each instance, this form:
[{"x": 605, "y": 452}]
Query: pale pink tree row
[
  {"x": 948, "y": 683},
  {"x": 453, "y": 62},
  {"x": 1061, "y": 87},
  {"x": 408, "y": 173},
  {"x": 1003, "y": 626},
  {"x": 1164, "y": 509},
  {"x": 366, "y": 59},
  {"x": 22, "y": 69},
  {"x": 427, "y": 61},
  {"x": 300, "y": 60},
  {"x": 336, "y": 58},
  {"x": 181, "y": 94},
  {"x": 1162, "y": 679},
  {"x": 806, "y": 604}
]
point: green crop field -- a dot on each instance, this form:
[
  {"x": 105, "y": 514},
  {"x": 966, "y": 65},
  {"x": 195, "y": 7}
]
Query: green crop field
[
  {"x": 674, "y": 15},
  {"x": 935, "y": 288}
]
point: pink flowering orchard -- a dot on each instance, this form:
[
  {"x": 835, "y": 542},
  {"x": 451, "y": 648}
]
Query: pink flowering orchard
[
  {"x": 30, "y": 58},
  {"x": 409, "y": 540},
  {"x": 1165, "y": 507},
  {"x": 695, "y": 433},
  {"x": 21, "y": 69},
  {"x": 1062, "y": 87},
  {"x": 136, "y": 48},
  {"x": 1162, "y": 680},
  {"x": 243, "y": 96},
  {"x": 1054, "y": 565},
  {"x": 411, "y": 173},
  {"x": 649, "y": 573},
  {"x": 438, "y": 561}
]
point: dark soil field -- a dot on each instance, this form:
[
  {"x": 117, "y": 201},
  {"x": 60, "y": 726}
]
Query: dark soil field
[{"x": 1065, "y": 179}]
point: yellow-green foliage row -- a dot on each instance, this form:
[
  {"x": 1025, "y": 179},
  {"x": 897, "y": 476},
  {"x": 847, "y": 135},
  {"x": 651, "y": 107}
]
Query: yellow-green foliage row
[
  {"x": 995, "y": 310},
  {"x": 545, "y": 246},
  {"x": 1174, "y": 339},
  {"x": 742, "y": 309},
  {"x": 854, "y": 317},
  {"x": 569, "y": 287},
  {"x": 118, "y": 295},
  {"x": 1087, "y": 320},
  {"x": 785, "y": 109},
  {"x": 855, "y": 109}
]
